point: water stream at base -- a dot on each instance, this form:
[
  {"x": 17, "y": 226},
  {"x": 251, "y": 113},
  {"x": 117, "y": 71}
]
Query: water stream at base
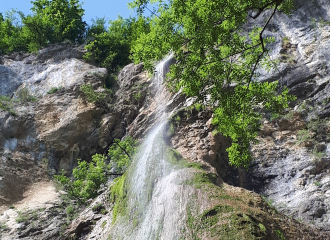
[{"x": 157, "y": 201}]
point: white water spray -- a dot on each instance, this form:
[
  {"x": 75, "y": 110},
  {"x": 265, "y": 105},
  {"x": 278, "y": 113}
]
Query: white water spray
[{"x": 156, "y": 203}]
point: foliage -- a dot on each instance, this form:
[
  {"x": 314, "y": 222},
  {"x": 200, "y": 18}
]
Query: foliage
[
  {"x": 177, "y": 118},
  {"x": 262, "y": 227},
  {"x": 275, "y": 116},
  {"x": 90, "y": 94},
  {"x": 97, "y": 28},
  {"x": 6, "y": 104},
  {"x": 3, "y": 226},
  {"x": 118, "y": 196},
  {"x": 22, "y": 217},
  {"x": 279, "y": 234},
  {"x": 111, "y": 48},
  {"x": 99, "y": 208},
  {"x": 215, "y": 58},
  {"x": 88, "y": 177},
  {"x": 12, "y": 37},
  {"x": 304, "y": 136},
  {"x": 122, "y": 151},
  {"x": 289, "y": 116},
  {"x": 317, "y": 155},
  {"x": 51, "y": 22},
  {"x": 56, "y": 20},
  {"x": 24, "y": 95},
  {"x": 137, "y": 96},
  {"x": 319, "y": 126},
  {"x": 54, "y": 90}
]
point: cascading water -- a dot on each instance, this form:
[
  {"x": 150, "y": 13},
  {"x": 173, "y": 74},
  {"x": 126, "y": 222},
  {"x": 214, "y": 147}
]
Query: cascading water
[{"x": 156, "y": 203}]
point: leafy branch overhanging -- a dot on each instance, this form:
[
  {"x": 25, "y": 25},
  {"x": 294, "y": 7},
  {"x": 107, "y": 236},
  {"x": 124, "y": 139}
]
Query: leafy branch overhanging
[{"x": 219, "y": 47}]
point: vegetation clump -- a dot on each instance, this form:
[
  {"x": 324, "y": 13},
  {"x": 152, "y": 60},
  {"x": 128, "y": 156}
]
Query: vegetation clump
[
  {"x": 54, "y": 90},
  {"x": 87, "y": 178},
  {"x": 90, "y": 94},
  {"x": 214, "y": 59},
  {"x": 6, "y": 104},
  {"x": 24, "y": 95},
  {"x": 110, "y": 48},
  {"x": 50, "y": 22},
  {"x": 118, "y": 196}
]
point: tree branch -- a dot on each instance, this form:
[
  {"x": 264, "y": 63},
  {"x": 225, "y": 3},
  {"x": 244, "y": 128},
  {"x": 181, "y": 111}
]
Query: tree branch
[
  {"x": 122, "y": 148},
  {"x": 260, "y": 10}
]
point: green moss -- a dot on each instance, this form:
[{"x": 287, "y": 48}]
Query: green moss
[
  {"x": 118, "y": 196},
  {"x": 176, "y": 159},
  {"x": 135, "y": 222},
  {"x": 222, "y": 221},
  {"x": 210, "y": 217},
  {"x": 200, "y": 179},
  {"x": 191, "y": 224},
  {"x": 171, "y": 130}
]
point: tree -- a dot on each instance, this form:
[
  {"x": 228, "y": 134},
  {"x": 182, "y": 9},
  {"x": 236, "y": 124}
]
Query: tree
[
  {"x": 111, "y": 48},
  {"x": 12, "y": 37},
  {"x": 97, "y": 28},
  {"x": 217, "y": 57},
  {"x": 55, "y": 21}
]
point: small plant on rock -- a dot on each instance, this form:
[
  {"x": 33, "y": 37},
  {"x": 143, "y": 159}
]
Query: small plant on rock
[
  {"x": 279, "y": 234},
  {"x": 304, "y": 136},
  {"x": 90, "y": 94},
  {"x": 317, "y": 154},
  {"x": 24, "y": 95},
  {"x": 137, "y": 96},
  {"x": 54, "y": 90}
]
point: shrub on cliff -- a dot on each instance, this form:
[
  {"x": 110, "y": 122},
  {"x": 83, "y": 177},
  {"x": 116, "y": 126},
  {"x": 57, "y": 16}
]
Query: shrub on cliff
[
  {"x": 87, "y": 178},
  {"x": 90, "y": 95}
]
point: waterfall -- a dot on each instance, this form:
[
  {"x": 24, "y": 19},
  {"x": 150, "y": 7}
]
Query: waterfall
[{"x": 154, "y": 209}]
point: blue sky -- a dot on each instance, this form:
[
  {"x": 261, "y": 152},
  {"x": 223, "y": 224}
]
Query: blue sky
[{"x": 93, "y": 8}]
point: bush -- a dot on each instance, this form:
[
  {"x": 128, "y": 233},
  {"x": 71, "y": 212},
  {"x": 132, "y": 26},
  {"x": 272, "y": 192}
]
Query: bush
[
  {"x": 90, "y": 94},
  {"x": 304, "y": 136},
  {"x": 54, "y": 90},
  {"x": 24, "y": 95},
  {"x": 88, "y": 177},
  {"x": 122, "y": 152},
  {"x": 319, "y": 126}
]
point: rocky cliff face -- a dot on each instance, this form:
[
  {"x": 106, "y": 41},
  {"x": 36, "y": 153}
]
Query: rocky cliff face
[{"x": 291, "y": 167}]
